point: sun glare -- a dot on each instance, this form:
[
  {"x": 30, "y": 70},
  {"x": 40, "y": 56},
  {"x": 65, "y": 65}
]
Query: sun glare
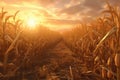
[{"x": 31, "y": 23}]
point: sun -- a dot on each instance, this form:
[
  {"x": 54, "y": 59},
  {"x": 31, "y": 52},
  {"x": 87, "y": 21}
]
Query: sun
[{"x": 31, "y": 22}]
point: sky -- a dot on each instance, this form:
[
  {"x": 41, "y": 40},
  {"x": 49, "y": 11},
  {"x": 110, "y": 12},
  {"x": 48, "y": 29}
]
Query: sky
[{"x": 57, "y": 14}]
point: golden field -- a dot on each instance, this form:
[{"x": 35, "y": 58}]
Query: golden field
[{"x": 90, "y": 51}]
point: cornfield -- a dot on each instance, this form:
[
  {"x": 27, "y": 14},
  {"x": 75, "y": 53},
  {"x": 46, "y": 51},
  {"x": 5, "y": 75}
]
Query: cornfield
[
  {"x": 90, "y": 51},
  {"x": 97, "y": 44}
]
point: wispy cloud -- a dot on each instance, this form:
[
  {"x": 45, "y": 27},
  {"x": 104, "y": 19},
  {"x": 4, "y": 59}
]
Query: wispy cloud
[{"x": 62, "y": 12}]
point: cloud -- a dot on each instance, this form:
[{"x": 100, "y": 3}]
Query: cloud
[
  {"x": 83, "y": 9},
  {"x": 46, "y": 2},
  {"x": 94, "y": 4},
  {"x": 73, "y": 9},
  {"x": 62, "y": 12},
  {"x": 73, "y": 3},
  {"x": 63, "y": 21}
]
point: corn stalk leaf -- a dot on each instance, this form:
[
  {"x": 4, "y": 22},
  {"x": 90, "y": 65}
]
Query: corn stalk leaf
[
  {"x": 15, "y": 15},
  {"x": 9, "y": 49},
  {"x": 102, "y": 66},
  {"x": 103, "y": 39}
]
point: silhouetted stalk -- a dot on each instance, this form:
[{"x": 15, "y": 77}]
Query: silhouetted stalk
[{"x": 8, "y": 50}]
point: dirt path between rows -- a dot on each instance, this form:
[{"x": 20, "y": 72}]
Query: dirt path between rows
[{"x": 60, "y": 57}]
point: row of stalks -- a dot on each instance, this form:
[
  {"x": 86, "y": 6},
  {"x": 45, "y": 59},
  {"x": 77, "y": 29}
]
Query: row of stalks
[
  {"x": 97, "y": 44},
  {"x": 21, "y": 49}
]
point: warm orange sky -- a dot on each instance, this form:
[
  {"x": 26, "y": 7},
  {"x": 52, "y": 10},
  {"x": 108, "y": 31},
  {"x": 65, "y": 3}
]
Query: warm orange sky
[{"x": 57, "y": 14}]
